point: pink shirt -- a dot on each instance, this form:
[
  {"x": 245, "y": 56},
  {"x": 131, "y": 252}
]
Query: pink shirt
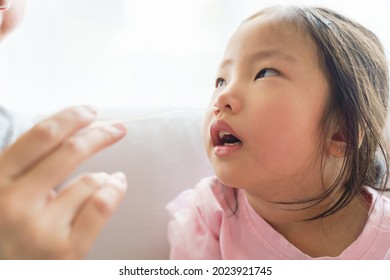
[{"x": 203, "y": 227}]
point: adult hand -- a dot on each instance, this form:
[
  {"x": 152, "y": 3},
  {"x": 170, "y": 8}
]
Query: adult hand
[
  {"x": 36, "y": 222},
  {"x": 11, "y": 14}
]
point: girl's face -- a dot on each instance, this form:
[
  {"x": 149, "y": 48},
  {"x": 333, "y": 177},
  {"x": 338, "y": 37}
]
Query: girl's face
[{"x": 271, "y": 94}]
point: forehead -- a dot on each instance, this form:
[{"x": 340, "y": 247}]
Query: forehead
[{"x": 271, "y": 32}]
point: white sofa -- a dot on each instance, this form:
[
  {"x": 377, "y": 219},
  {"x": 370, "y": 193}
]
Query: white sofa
[{"x": 161, "y": 156}]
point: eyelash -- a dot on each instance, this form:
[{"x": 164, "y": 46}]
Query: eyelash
[
  {"x": 261, "y": 73},
  {"x": 220, "y": 81}
]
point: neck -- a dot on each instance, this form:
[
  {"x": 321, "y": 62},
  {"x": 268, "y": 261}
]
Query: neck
[{"x": 328, "y": 236}]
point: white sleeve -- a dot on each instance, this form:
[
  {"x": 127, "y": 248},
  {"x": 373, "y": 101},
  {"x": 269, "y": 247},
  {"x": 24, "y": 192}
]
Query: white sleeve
[{"x": 11, "y": 127}]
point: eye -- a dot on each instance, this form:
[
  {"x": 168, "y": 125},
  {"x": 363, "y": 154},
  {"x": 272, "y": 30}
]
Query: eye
[
  {"x": 219, "y": 82},
  {"x": 266, "y": 72}
]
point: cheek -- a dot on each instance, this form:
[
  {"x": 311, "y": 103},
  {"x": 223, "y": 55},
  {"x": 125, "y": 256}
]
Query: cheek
[{"x": 284, "y": 138}]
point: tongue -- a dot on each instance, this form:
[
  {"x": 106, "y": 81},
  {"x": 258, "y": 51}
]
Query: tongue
[{"x": 229, "y": 139}]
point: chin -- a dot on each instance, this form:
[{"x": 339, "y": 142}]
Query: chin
[{"x": 228, "y": 179}]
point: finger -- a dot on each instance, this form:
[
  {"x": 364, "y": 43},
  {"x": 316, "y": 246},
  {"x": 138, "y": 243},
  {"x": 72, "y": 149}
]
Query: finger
[
  {"x": 42, "y": 139},
  {"x": 5, "y": 4},
  {"x": 96, "y": 212},
  {"x": 57, "y": 167},
  {"x": 69, "y": 201}
]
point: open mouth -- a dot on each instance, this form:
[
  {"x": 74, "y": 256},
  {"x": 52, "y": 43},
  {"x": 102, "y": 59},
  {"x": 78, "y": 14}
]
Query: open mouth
[
  {"x": 225, "y": 138},
  {"x": 223, "y": 135}
]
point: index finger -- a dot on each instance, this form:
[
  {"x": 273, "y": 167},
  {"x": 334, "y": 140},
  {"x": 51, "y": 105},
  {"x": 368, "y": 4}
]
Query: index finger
[
  {"x": 42, "y": 139},
  {"x": 58, "y": 166}
]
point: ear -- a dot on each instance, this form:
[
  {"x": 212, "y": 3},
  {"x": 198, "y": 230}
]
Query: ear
[{"x": 337, "y": 144}]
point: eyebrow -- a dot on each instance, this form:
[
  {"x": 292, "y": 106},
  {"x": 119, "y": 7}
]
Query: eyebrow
[{"x": 262, "y": 55}]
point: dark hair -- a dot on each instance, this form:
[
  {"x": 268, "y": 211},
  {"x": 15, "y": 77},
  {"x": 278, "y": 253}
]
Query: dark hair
[{"x": 355, "y": 65}]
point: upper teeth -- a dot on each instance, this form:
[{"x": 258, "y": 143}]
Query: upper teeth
[{"x": 222, "y": 133}]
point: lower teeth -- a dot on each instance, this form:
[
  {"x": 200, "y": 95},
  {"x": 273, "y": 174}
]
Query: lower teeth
[{"x": 231, "y": 144}]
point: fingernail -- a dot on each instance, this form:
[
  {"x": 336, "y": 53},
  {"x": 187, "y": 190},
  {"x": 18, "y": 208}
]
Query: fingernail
[
  {"x": 91, "y": 109},
  {"x": 117, "y": 129},
  {"x": 121, "y": 177},
  {"x": 87, "y": 113}
]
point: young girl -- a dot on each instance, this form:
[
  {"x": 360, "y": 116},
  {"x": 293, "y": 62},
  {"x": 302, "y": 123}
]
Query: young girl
[{"x": 297, "y": 143}]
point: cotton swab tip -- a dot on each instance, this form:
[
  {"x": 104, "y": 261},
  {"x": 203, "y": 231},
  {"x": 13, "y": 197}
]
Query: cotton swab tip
[{"x": 213, "y": 108}]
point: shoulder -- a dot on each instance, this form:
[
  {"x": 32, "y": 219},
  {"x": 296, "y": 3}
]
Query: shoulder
[
  {"x": 385, "y": 209},
  {"x": 197, "y": 215},
  {"x": 380, "y": 207},
  {"x": 377, "y": 230},
  {"x": 209, "y": 199}
]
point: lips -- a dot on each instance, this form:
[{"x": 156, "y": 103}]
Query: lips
[{"x": 223, "y": 138}]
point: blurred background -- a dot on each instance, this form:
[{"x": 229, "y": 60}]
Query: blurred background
[{"x": 133, "y": 53}]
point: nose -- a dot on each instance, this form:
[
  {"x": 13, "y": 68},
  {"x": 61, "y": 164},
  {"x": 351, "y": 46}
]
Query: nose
[{"x": 229, "y": 100}]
